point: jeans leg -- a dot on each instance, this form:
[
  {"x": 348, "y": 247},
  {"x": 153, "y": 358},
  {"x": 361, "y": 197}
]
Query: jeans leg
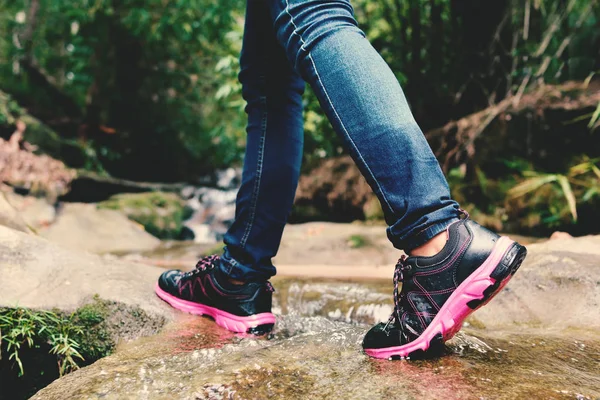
[
  {"x": 367, "y": 108},
  {"x": 273, "y": 92}
]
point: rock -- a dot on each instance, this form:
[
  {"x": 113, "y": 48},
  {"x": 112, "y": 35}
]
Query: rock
[
  {"x": 329, "y": 243},
  {"x": 91, "y": 187},
  {"x": 84, "y": 227},
  {"x": 524, "y": 344},
  {"x": 36, "y": 273},
  {"x": 560, "y": 235},
  {"x": 9, "y": 217},
  {"x": 161, "y": 214},
  {"x": 115, "y": 298},
  {"x": 96, "y": 327},
  {"x": 36, "y": 212}
]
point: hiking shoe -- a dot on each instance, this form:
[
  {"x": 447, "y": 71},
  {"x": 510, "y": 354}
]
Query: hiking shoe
[
  {"x": 439, "y": 292},
  {"x": 206, "y": 291}
]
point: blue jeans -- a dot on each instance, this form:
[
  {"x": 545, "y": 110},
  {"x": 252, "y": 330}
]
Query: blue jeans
[{"x": 287, "y": 43}]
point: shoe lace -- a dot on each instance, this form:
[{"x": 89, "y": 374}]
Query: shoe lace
[
  {"x": 204, "y": 264},
  {"x": 270, "y": 287},
  {"x": 401, "y": 268}
]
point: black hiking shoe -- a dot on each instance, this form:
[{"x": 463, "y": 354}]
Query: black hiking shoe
[
  {"x": 439, "y": 292},
  {"x": 206, "y": 291}
]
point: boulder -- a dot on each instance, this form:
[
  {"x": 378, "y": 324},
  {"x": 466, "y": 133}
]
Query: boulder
[
  {"x": 161, "y": 214},
  {"x": 539, "y": 338},
  {"x": 36, "y": 273},
  {"x": 85, "y": 227},
  {"x": 36, "y": 212},
  {"x": 9, "y": 217},
  {"x": 112, "y": 301}
]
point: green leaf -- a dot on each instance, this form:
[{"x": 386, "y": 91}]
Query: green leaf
[
  {"x": 568, "y": 192},
  {"x": 595, "y": 117},
  {"x": 530, "y": 185}
]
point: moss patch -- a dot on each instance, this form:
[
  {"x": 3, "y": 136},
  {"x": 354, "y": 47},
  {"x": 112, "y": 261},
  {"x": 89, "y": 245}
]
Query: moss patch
[
  {"x": 162, "y": 214},
  {"x": 38, "y": 346},
  {"x": 358, "y": 241}
]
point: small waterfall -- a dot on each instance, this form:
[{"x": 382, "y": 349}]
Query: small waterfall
[{"x": 213, "y": 207}]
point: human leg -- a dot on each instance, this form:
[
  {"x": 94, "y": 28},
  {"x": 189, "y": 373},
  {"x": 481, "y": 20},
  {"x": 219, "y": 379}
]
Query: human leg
[
  {"x": 273, "y": 91},
  {"x": 367, "y": 108}
]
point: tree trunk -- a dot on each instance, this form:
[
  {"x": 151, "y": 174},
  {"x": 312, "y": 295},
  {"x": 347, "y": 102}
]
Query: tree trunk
[{"x": 437, "y": 43}]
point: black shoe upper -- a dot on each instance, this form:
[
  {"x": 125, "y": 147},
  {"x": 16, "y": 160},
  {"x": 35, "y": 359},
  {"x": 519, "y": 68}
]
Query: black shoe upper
[
  {"x": 209, "y": 286},
  {"x": 428, "y": 282}
]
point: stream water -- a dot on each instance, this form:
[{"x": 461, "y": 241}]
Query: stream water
[{"x": 315, "y": 352}]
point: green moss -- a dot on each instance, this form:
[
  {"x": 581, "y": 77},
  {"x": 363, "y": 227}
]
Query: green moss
[
  {"x": 96, "y": 341},
  {"x": 358, "y": 241},
  {"x": 161, "y": 214}
]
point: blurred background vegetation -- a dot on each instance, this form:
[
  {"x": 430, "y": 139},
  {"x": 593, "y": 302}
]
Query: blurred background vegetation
[{"x": 147, "y": 90}]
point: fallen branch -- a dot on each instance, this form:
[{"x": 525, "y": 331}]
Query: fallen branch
[{"x": 455, "y": 142}]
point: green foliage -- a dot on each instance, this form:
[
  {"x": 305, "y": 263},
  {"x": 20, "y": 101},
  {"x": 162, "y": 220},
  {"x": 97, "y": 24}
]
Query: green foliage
[
  {"x": 580, "y": 185},
  {"x": 135, "y": 79},
  {"x": 148, "y": 89},
  {"x": 9, "y": 110},
  {"x": 595, "y": 118},
  {"x": 137, "y": 82},
  {"x": 72, "y": 339},
  {"x": 22, "y": 328},
  {"x": 96, "y": 341}
]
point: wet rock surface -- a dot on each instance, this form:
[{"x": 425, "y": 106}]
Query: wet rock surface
[{"x": 540, "y": 338}]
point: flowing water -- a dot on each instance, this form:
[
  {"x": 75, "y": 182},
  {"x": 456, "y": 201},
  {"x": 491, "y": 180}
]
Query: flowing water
[{"x": 315, "y": 352}]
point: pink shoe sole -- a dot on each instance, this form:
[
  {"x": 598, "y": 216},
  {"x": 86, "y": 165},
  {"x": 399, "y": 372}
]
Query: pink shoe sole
[
  {"x": 479, "y": 288},
  {"x": 228, "y": 321}
]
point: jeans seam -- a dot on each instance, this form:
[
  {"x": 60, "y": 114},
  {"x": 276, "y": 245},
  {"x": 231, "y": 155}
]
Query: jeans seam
[
  {"x": 259, "y": 168},
  {"x": 302, "y": 47}
]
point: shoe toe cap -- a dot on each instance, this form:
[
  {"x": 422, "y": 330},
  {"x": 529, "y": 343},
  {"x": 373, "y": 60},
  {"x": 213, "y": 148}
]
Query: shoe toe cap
[
  {"x": 379, "y": 337},
  {"x": 168, "y": 280}
]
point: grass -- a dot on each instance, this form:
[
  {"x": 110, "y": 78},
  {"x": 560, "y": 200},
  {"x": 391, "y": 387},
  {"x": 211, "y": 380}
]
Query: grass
[
  {"x": 73, "y": 339},
  {"x": 22, "y": 328}
]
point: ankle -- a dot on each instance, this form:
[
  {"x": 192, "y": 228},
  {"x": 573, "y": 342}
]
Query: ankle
[{"x": 432, "y": 247}]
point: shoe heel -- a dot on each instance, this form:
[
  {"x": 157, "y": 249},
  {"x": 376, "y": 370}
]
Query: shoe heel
[
  {"x": 505, "y": 269},
  {"x": 260, "y": 329},
  {"x": 510, "y": 263}
]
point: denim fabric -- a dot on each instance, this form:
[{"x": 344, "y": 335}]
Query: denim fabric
[{"x": 287, "y": 42}]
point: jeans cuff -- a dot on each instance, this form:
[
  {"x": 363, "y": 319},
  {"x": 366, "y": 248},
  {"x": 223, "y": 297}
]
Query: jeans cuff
[
  {"x": 236, "y": 270},
  {"x": 427, "y": 234}
]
